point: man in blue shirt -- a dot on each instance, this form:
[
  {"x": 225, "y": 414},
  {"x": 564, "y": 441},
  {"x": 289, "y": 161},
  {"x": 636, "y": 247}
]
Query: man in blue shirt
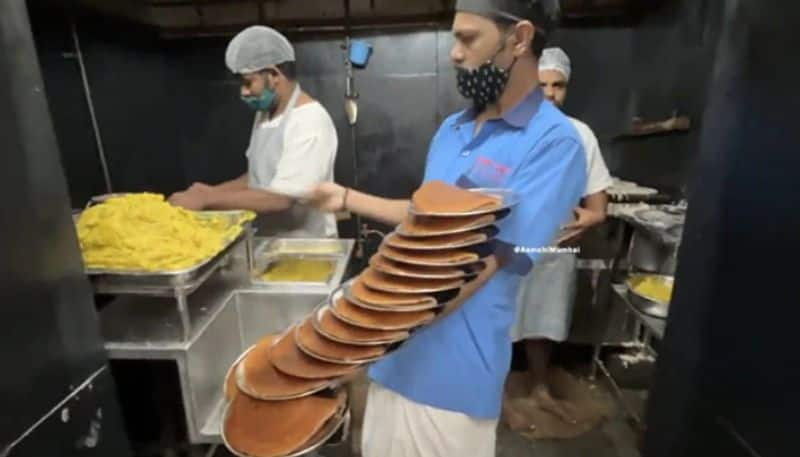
[{"x": 440, "y": 393}]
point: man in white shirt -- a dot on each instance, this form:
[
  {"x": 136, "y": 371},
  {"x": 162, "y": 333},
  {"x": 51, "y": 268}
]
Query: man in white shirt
[
  {"x": 292, "y": 146},
  {"x": 544, "y": 307}
]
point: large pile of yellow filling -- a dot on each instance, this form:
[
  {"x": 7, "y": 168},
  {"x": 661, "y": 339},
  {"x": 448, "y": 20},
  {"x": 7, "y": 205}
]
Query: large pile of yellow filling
[
  {"x": 653, "y": 287},
  {"x": 142, "y": 232},
  {"x": 290, "y": 269}
]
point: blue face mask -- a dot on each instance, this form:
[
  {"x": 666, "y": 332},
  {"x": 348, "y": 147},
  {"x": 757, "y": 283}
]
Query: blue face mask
[{"x": 261, "y": 103}]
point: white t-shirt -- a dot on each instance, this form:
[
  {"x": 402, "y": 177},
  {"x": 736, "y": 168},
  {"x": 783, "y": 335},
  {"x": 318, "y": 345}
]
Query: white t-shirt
[
  {"x": 597, "y": 176},
  {"x": 302, "y": 159}
]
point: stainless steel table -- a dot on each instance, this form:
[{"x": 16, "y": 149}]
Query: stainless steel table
[{"x": 227, "y": 313}]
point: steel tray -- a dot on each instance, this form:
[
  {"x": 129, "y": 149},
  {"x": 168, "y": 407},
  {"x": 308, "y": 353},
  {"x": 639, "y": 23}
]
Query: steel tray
[
  {"x": 168, "y": 283},
  {"x": 304, "y": 247},
  {"x": 273, "y": 249}
]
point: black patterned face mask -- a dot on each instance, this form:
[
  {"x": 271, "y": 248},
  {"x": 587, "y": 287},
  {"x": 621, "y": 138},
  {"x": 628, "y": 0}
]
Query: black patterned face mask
[{"x": 483, "y": 85}]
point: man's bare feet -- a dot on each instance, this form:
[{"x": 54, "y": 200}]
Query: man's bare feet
[
  {"x": 562, "y": 409},
  {"x": 515, "y": 420}
]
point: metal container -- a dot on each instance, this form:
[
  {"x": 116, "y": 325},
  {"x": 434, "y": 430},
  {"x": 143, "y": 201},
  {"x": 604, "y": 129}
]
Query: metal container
[
  {"x": 274, "y": 249},
  {"x": 168, "y": 283},
  {"x": 656, "y": 238},
  {"x": 317, "y": 247},
  {"x": 652, "y": 253},
  {"x": 647, "y": 305}
]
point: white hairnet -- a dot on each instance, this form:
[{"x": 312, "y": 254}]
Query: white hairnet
[
  {"x": 256, "y": 48},
  {"x": 555, "y": 59}
]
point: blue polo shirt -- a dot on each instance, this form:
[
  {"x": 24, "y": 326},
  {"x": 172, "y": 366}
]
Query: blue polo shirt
[{"x": 460, "y": 363}]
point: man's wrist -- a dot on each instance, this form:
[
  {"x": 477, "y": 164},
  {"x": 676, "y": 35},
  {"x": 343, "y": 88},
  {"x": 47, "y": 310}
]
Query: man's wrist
[
  {"x": 344, "y": 199},
  {"x": 209, "y": 197}
]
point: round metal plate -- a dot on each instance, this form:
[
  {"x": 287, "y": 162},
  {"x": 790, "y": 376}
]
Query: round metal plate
[
  {"x": 508, "y": 199},
  {"x": 402, "y": 229},
  {"x": 400, "y": 269},
  {"x": 232, "y": 371},
  {"x": 330, "y": 360},
  {"x": 317, "y": 441},
  {"x": 488, "y": 233},
  {"x": 315, "y": 322},
  {"x": 437, "y": 285},
  {"x": 243, "y": 387},
  {"x": 433, "y": 304},
  {"x": 425, "y": 262},
  {"x": 339, "y": 293}
]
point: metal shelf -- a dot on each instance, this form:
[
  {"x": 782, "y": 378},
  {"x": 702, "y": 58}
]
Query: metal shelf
[{"x": 141, "y": 327}]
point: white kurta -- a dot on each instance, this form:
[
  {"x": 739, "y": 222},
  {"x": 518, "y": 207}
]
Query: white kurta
[
  {"x": 289, "y": 155},
  {"x": 546, "y": 295}
]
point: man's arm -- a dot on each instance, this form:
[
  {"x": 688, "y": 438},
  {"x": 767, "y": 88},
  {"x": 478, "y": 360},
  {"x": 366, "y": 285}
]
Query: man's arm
[
  {"x": 385, "y": 210},
  {"x": 196, "y": 196},
  {"x": 239, "y": 183},
  {"x": 591, "y": 212},
  {"x": 331, "y": 197},
  {"x": 257, "y": 200}
]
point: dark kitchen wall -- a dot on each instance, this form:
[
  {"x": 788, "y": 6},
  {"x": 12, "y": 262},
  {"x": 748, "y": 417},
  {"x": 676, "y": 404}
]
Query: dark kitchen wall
[
  {"x": 169, "y": 114},
  {"x": 649, "y": 68},
  {"x": 727, "y": 377},
  {"x": 57, "y": 395}
]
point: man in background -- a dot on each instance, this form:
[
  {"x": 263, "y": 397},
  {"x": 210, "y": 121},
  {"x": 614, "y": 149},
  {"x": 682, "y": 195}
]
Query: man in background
[
  {"x": 292, "y": 145},
  {"x": 545, "y": 301}
]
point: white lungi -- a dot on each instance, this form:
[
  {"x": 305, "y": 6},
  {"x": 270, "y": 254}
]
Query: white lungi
[
  {"x": 397, "y": 427},
  {"x": 545, "y": 299}
]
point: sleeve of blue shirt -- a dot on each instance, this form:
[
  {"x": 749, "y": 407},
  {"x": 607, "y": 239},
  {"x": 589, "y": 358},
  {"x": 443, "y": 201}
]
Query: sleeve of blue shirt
[{"x": 550, "y": 184}]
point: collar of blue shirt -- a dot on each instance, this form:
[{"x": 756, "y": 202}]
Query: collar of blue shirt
[{"x": 519, "y": 116}]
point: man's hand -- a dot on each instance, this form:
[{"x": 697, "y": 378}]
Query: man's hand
[
  {"x": 191, "y": 200},
  {"x": 585, "y": 219},
  {"x": 328, "y": 197},
  {"x": 200, "y": 187}
]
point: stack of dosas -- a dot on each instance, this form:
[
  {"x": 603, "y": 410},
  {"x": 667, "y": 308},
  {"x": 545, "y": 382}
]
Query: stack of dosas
[{"x": 283, "y": 393}]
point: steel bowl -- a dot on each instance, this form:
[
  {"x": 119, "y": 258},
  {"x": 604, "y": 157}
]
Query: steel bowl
[{"x": 647, "y": 305}]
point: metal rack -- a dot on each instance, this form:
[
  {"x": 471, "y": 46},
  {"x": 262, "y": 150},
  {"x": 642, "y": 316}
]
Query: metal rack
[{"x": 648, "y": 328}]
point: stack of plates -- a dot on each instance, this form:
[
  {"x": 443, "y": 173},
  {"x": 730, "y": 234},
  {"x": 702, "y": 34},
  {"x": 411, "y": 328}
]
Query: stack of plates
[
  {"x": 271, "y": 413},
  {"x": 283, "y": 393}
]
